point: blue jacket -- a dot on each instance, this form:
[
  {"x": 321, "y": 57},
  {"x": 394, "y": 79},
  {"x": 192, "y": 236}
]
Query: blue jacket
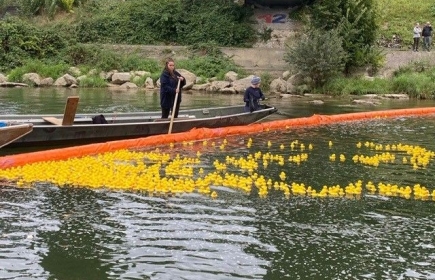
[
  {"x": 251, "y": 97},
  {"x": 168, "y": 85}
]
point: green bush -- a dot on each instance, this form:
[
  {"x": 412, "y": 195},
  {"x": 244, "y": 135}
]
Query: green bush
[
  {"x": 20, "y": 41},
  {"x": 355, "y": 86},
  {"x": 81, "y": 55},
  {"x": 355, "y": 21},
  {"x": 220, "y": 21},
  {"x": 165, "y": 21},
  {"x": 319, "y": 56},
  {"x": 266, "y": 79},
  {"x": 93, "y": 82},
  {"x": 114, "y": 27},
  {"x": 417, "y": 85},
  {"x": 414, "y": 67},
  {"x": 35, "y": 66},
  {"x": 208, "y": 66},
  {"x": 135, "y": 62}
]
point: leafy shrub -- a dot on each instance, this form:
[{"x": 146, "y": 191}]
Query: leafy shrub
[
  {"x": 414, "y": 67},
  {"x": 319, "y": 56},
  {"x": 113, "y": 28},
  {"x": 20, "y": 41},
  {"x": 95, "y": 56},
  {"x": 93, "y": 81},
  {"x": 220, "y": 21},
  {"x": 417, "y": 85},
  {"x": 149, "y": 22},
  {"x": 208, "y": 66},
  {"x": 134, "y": 62},
  {"x": 355, "y": 22},
  {"x": 81, "y": 54},
  {"x": 355, "y": 86},
  {"x": 35, "y": 66},
  {"x": 266, "y": 79}
]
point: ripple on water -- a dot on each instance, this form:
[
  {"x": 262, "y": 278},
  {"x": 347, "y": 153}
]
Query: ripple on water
[{"x": 187, "y": 238}]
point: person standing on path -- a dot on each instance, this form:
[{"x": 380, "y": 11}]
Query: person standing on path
[
  {"x": 168, "y": 88},
  {"x": 427, "y": 36},
  {"x": 416, "y": 36},
  {"x": 252, "y": 95}
]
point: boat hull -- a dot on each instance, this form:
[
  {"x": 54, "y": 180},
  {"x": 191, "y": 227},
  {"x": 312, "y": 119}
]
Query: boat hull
[{"x": 130, "y": 125}]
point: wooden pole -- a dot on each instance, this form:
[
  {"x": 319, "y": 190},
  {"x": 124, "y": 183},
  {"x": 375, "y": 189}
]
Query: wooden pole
[{"x": 174, "y": 107}]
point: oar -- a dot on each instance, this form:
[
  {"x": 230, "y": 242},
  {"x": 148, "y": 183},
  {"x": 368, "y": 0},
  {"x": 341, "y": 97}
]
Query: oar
[{"x": 175, "y": 106}]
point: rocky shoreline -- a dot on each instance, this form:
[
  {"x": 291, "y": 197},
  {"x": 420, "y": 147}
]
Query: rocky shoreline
[
  {"x": 254, "y": 60},
  {"x": 232, "y": 83}
]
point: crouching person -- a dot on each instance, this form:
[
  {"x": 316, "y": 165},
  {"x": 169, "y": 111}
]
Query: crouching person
[{"x": 252, "y": 95}]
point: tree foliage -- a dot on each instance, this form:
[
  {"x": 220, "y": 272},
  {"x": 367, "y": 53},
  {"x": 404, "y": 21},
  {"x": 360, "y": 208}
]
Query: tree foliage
[
  {"x": 20, "y": 41},
  {"x": 319, "y": 56},
  {"x": 219, "y": 21},
  {"x": 183, "y": 22},
  {"x": 355, "y": 21}
]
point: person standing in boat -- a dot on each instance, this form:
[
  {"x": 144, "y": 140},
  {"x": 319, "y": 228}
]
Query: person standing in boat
[
  {"x": 252, "y": 95},
  {"x": 168, "y": 89}
]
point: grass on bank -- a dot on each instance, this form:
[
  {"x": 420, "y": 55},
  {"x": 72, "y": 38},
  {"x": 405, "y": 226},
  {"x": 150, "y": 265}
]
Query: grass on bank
[
  {"x": 399, "y": 17},
  {"x": 418, "y": 84},
  {"x": 44, "y": 69}
]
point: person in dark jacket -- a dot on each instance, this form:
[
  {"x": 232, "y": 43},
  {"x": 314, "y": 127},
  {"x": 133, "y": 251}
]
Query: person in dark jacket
[
  {"x": 168, "y": 88},
  {"x": 426, "y": 33},
  {"x": 252, "y": 95}
]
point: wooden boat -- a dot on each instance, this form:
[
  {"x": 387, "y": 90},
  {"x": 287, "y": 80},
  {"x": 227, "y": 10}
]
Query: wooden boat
[
  {"x": 73, "y": 129},
  {"x": 10, "y": 132}
]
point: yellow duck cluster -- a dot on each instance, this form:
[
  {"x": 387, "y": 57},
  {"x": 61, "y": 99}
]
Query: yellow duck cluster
[{"x": 169, "y": 173}]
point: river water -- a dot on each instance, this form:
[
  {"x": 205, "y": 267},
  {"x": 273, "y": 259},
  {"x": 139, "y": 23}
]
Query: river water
[{"x": 48, "y": 232}]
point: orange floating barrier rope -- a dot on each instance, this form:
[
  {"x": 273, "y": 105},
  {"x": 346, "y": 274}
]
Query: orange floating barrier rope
[{"x": 202, "y": 133}]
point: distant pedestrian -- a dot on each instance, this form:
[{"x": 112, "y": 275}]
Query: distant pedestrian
[
  {"x": 252, "y": 95},
  {"x": 416, "y": 36},
  {"x": 427, "y": 36}
]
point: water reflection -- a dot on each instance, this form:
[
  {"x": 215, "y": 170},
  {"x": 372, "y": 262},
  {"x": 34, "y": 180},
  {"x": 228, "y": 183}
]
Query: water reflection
[
  {"x": 42, "y": 100},
  {"x": 52, "y": 100},
  {"x": 74, "y": 249}
]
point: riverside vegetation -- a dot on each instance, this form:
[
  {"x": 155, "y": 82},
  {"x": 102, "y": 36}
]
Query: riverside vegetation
[{"x": 339, "y": 38}]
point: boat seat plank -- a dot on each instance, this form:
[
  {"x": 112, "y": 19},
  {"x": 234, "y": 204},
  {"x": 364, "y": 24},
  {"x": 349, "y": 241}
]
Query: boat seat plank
[
  {"x": 68, "y": 114},
  {"x": 52, "y": 120}
]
